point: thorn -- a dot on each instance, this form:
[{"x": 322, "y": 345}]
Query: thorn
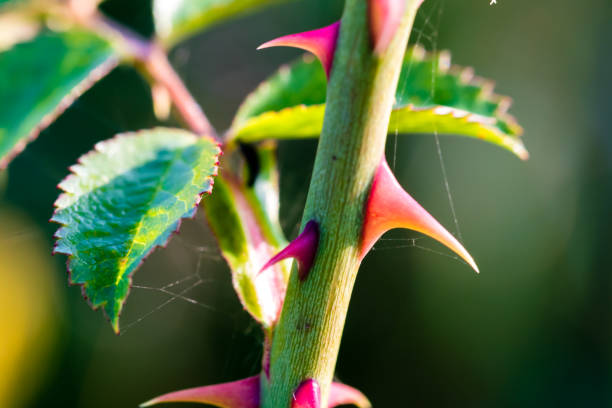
[
  {"x": 307, "y": 395},
  {"x": 385, "y": 17},
  {"x": 342, "y": 394},
  {"x": 238, "y": 394},
  {"x": 303, "y": 249},
  {"x": 321, "y": 42},
  {"x": 389, "y": 206}
]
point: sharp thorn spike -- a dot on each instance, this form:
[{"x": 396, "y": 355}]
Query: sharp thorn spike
[
  {"x": 238, "y": 394},
  {"x": 303, "y": 249},
  {"x": 321, "y": 42},
  {"x": 307, "y": 395},
  {"x": 389, "y": 206},
  {"x": 385, "y": 17}
]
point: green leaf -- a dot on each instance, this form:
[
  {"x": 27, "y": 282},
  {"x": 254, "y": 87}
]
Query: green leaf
[
  {"x": 176, "y": 20},
  {"x": 432, "y": 97},
  {"x": 243, "y": 214},
  {"x": 125, "y": 198},
  {"x": 41, "y": 78},
  {"x": 301, "y": 83}
]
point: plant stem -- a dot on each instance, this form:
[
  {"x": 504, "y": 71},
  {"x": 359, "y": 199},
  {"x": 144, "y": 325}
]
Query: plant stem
[
  {"x": 154, "y": 61},
  {"x": 360, "y": 96}
]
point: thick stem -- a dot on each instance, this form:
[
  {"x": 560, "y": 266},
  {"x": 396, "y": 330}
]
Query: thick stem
[{"x": 360, "y": 97}]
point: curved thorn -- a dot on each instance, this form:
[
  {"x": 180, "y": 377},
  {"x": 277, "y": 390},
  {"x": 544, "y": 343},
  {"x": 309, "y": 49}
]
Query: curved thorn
[
  {"x": 321, "y": 42},
  {"x": 307, "y": 395},
  {"x": 385, "y": 17},
  {"x": 238, "y": 394},
  {"x": 303, "y": 249},
  {"x": 389, "y": 206},
  {"x": 342, "y": 394}
]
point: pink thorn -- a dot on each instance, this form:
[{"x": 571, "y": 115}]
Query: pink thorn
[
  {"x": 389, "y": 206},
  {"x": 385, "y": 17},
  {"x": 307, "y": 395},
  {"x": 341, "y": 394},
  {"x": 237, "y": 394},
  {"x": 303, "y": 249},
  {"x": 321, "y": 42}
]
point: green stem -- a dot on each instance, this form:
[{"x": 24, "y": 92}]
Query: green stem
[{"x": 359, "y": 101}]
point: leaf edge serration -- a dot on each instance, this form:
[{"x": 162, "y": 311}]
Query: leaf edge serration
[{"x": 70, "y": 256}]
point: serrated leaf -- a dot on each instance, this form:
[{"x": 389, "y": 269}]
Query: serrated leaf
[
  {"x": 176, "y": 20},
  {"x": 243, "y": 214},
  {"x": 432, "y": 97},
  {"x": 301, "y": 83},
  {"x": 125, "y": 198},
  {"x": 40, "y": 78}
]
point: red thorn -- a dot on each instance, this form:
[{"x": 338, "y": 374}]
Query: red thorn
[
  {"x": 237, "y": 394},
  {"x": 303, "y": 249},
  {"x": 385, "y": 17},
  {"x": 389, "y": 206},
  {"x": 342, "y": 394},
  {"x": 307, "y": 395},
  {"x": 321, "y": 42}
]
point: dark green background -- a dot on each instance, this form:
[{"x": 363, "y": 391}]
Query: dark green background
[{"x": 533, "y": 330}]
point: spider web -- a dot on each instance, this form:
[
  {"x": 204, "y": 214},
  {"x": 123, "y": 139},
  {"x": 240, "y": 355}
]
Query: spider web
[
  {"x": 425, "y": 32},
  {"x": 181, "y": 288}
]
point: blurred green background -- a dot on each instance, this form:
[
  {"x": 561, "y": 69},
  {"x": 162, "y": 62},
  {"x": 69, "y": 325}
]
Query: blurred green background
[{"x": 534, "y": 329}]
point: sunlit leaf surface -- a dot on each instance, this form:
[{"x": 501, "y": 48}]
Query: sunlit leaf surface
[
  {"x": 40, "y": 78},
  {"x": 432, "y": 97},
  {"x": 125, "y": 198}
]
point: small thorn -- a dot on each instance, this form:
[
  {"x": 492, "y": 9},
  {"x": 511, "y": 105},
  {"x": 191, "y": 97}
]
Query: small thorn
[
  {"x": 307, "y": 395},
  {"x": 321, "y": 42},
  {"x": 389, "y": 206},
  {"x": 238, "y": 394},
  {"x": 342, "y": 394},
  {"x": 385, "y": 17},
  {"x": 303, "y": 249}
]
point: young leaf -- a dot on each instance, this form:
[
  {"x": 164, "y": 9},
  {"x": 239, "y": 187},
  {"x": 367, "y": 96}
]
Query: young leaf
[
  {"x": 122, "y": 200},
  {"x": 432, "y": 97},
  {"x": 176, "y": 20},
  {"x": 244, "y": 217},
  {"x": 41, "y": 78}
]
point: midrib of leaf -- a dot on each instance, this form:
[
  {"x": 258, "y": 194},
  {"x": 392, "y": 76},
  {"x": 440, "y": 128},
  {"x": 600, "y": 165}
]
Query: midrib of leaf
[
  {"x": 123, "y": 264},
  {"x": 106, "y": 241}
]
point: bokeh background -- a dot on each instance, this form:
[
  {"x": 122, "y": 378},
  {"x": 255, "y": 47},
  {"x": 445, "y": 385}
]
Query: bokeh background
[{"x": 534, "y": 329}]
